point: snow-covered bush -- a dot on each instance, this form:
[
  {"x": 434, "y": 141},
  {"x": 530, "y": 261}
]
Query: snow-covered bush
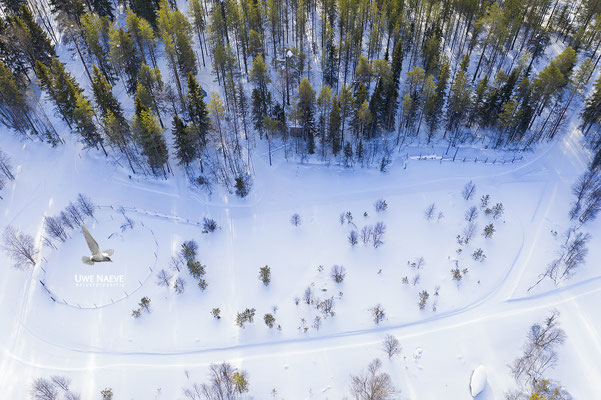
[
  {"x": 488, "y": 230},
  {"x": 338, "y": 273},
  {"x": 295, "y": 219},
  {"x": 308, "y": 295},
  {"x": 380, "y": 205},
  {"x": 242, "y": 185},
  {"x": 179, "y": 286},
  {"x": 269, "y": 320},
  {"x": 107, "y": 394},
  {"x": 423, "y": 298},
  {"x": 497, "y": 211},
  {"x": 326, "y": 307},
  {"x": 209, "y": 225},
  {"x": 377, "y": 313},
  {"x": 484, "y": 201},
  {"x": 353, "y": 238},
  {"x": 430, "y": 211},
  {"x": 418, "y": 263},
  {"x": 245, "y": 316},
  {"x": 478, "y": 255},
  {"x": 265, "y": 275}
]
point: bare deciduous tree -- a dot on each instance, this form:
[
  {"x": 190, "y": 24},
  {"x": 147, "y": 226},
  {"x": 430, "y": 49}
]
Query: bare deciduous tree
[
  {"x": 539, "y": 351},
  {"x": 308, "y": 295},
  {"x": 392, "y": 346},
  {"x": 366, "y": 233},
  {"x": 571, "y": 255},
  {"x": 6, "y": 168},
  {"x": 430, "y": 211},
  {"x": 469, "y": 232},
  {"x": 471, "y": 214},
  {"x": 353, "y": 238},
  {"x": 74, "y": 214},
  {"x": 55, "y": 229},
  {"x": 66, "y": 220},
  {"x": 43, "y": 389},
  {"x": 418, "y": 263},
  {"x": 51, "y": 389},
  {"x": 373, "y": 384},
  {"x": 468, "y": 190},
  {"x": 378, "y": 234},
  {"x": 164, "y": 278},
  {"x": 61, "y": 382},
  {"x": 19, "y": 247},
  {"x": 86, "y": 206},
  {"x": 225, "y": 383},
  {"x": 591, "y": 206},
  {"x": 586, "y": 184}
]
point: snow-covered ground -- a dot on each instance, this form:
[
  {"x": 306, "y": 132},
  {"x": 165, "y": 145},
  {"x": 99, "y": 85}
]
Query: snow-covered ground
[{"x": 88, "y": 334}]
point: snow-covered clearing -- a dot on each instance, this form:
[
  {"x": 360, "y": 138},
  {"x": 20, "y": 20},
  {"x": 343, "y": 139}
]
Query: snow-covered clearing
[{"x": 482, "y": 320}]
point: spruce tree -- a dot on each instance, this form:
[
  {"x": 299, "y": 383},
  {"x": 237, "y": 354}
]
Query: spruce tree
[
  {"x": 104, "y": 8},
  {"x": 150, "y": 79},
  {"x": 150, "y": 137},
  {"x": 83, "y": 117},
  {"x": 125, "y": 57},
  {"x": 67, "y": 11},
  {"x": 260, "y": 97},
  {"x": 33, "y": 40},
  {"x": 433, "y": 108},
  {"x": 334, "y": 127},
  {"x": 60, "y": 87},
  {"x": 13, "y": 108},
  {"x": 12, "y": 6},
  {"x": 592, "y": 111},
  {"x": 103, "y": 95},
  {"x": 95, "y": 30},
  {"x": 146, "y": 9},
  {"x": 304, "y": 113},
  {"x": 197, "y": 110},
  {"x": 11, "y": 53},
  {"x": 184, "y": 142}
]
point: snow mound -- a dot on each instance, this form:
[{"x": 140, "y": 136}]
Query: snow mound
[{"x": 478, "y": 380}]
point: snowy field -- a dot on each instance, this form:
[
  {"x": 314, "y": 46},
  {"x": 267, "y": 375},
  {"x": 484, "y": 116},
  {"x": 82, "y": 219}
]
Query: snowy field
[{"x": 85, "y": 330}]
